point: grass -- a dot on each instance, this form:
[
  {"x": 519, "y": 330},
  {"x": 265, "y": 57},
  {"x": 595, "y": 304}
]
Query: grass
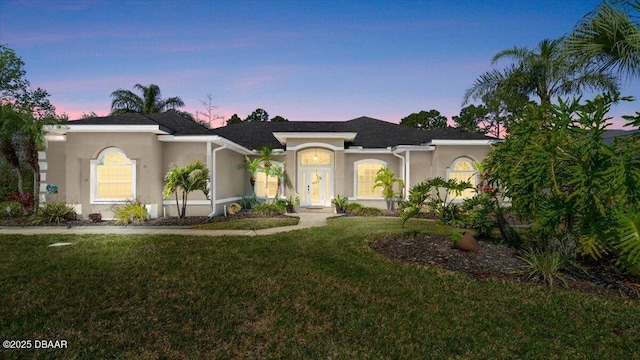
[
  {"x": 315, "y": 293},
  {"x": 249, "y": 223}
]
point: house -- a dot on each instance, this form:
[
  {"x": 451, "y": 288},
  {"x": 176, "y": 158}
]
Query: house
[{"x": 97, "y": 163}]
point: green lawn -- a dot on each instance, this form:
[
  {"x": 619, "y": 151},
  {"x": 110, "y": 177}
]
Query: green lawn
[
  {"x": 249, "y": 223},
  {"x": 316, "y": 293}
]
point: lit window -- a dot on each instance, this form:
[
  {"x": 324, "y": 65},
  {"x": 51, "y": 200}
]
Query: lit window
[
  {"x": 113, "y": 177},
  {"x": 315, "y": 157},
  {"x": 366, "y": 172},
  {"x": 266, "y": 186},
  {"x": 462, "y": 169}
]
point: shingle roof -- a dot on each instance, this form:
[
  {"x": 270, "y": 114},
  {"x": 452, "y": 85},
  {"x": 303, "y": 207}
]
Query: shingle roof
[
  {"x": 371, "y": 133},
  {"x": 170, "y": 121},
  {"x": 610, "y": 135}
]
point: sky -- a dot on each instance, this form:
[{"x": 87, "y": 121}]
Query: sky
[{"x": 303, "y": 60}]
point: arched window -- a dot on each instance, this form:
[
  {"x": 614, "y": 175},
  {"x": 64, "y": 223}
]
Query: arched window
[
  {"x": 365, "y": 176},
  {"x": 462, "y": 169},
  {"x": 266, "y": 186},
  {"x": 113, "y": 177}
]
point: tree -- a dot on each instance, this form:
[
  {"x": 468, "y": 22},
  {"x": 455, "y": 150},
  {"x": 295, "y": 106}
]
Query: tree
[
  {"x": 189, "y": 178},
  {"x": 12, "y": 74},
  {"x": 425, "y": 120},
  {"x": 252, "y": 167},
  {"x": 385, "y": 179},
  {"x": 125, "y": 101},
  {"x": 209, "y": 116},
  {"x": 608, "y": 38},
  {"x": 258, "y": 115},
  {"x": 234, "y": 119},
  {"x": 88, "y": 115},
  {"x": 545, "y": 72},
  {"x": 278, "y": 118},
  {"x": 266, "y": 154},
  {"x": 472, "y": 118},
  {"x": 577, "y": 191},
  {"x": 281, "y": 174},
  {"x": 10, "y": 123},
  {"x": 24, "y": 112}
]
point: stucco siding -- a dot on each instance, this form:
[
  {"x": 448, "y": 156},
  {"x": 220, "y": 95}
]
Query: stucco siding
[
  {"x": 231, "y": 179},
  {"x": 446, "y": 154},
  {"x": 56, "y": 170},
  {"x": 393, "y": 163},
  {"x": 420, "y": 168},
  {"x": 81, "y": 148}
]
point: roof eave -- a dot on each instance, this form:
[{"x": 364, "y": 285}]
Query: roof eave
[
  {"x": 282, "y": 136},
  {"x": 70, "y": 128}
]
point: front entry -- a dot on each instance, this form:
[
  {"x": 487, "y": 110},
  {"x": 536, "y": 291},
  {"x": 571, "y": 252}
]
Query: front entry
[
  {"x": 315, "y": 187},
  {"x": 315, "y": 177}
]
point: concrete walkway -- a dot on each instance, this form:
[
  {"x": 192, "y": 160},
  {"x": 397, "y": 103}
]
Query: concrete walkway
[{"x": 307, "y": 220}]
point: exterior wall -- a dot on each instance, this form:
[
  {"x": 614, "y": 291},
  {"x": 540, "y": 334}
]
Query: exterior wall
[
  {"x": 444, "y": 155},
  {"x": 393, "y": 163},
  {"x": 420, "y": 167},
  {"x": 232, "y": 181},
  {"x": 69, "y": 166},
  {"x": 181, "y": 154},
  {"x": 81, "y": 148},
  {"x": 305, "y": 142},
  {"x": 56, "y": 170}
]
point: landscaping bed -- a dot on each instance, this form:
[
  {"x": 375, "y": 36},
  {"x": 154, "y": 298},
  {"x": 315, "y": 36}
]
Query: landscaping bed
[
  {"x": 497, "y": 261},
  {"x": 162, "y": 221}
]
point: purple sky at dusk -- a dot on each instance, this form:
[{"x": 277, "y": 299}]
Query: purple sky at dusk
[{"x": 306, "y": 60}]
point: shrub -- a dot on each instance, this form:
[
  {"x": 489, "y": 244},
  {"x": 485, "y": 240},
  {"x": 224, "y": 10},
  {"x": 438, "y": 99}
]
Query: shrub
[
  {"x": 131, "y": 212},
  {"x": 248, "y": 202},
  {"x": 269, "y": 209},
  {"x": 544, "y": 266},
  {"x": 478, "y": 210},
  {"x": 52, "y": 213},
  {"x": 369, "y": 211},
  {"x": 25, "y": 200},
  {"x": 455, "y": 236},
  {"x": 353, "y": 207},
  {"x": 10, "y": 209}
]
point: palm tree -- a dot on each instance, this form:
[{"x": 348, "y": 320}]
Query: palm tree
[
  {"x": 545, "y": 72},
  {"x": 189, "y": 178},
  {"x": 385, "y": 179},
  {"x": 125, "y": 101},
  {"x": 252, "y": 167},
  {"x": 266, "y": 154},
  {"x": 281, "y": 174},
  {"x": 608, "y": 38}
]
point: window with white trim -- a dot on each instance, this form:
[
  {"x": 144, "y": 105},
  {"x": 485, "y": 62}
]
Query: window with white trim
[
  {"x": 113, "y": 177},
  {"x": 462, "y": 169},
  {"x": 365, "y": 178},
  {"x": 266, "y": 186}
]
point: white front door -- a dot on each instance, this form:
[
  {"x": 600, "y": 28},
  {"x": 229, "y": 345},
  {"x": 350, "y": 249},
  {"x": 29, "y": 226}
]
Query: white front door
[{"x": 315, "y": 187}]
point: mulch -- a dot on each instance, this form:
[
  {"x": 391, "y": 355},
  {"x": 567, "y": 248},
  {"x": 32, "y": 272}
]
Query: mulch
[{"x": 498, "y": 262}]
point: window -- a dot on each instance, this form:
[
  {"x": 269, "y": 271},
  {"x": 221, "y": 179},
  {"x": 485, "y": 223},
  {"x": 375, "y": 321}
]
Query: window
[
  {"x": 113, "y": 177},
  {"x": 266, "y": 185},
  {"x": 462, "y": 169},
  {"x": 315, "y": 157},
  {"x": 366, "y": 171}
]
